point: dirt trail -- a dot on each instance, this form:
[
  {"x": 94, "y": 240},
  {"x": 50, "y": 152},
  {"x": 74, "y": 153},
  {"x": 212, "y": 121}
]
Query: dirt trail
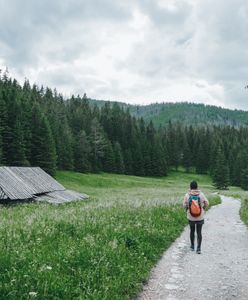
[{"x": 220, "y": 272}]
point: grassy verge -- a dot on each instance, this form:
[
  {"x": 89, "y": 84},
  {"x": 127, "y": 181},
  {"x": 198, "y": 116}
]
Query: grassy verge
[
  {"x": 244, "y": 211},
  {"x": 214, "y": 200},
  {"x": 238, "y": 193},
  {"x": 100, "y": 249}
]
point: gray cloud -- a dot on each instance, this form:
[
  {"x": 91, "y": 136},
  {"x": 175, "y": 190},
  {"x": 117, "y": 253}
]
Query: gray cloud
[
  {"x": 170, "y": 16},
  {"x": 25, "y": 25},
  {"x": 141, "y": 50}
]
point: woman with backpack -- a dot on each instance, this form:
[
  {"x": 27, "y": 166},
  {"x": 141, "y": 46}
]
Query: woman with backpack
[{"x": 195, "y": 202}]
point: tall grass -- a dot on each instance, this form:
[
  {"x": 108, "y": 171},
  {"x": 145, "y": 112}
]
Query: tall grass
[{"x": 102, "y": 248}]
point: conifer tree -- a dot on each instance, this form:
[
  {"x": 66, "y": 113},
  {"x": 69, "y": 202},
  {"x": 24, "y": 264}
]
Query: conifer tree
[
  {"x": 187, "y": 156},
  {"x": 13, "y": 134},
  {"x": 64, "y": 146},
  {"x": 158, "y": 163},
  {"x": 221, "y": 172},
  {"x": 82, "y": 153},
  {"x": 119, "y": 162},
  {"x": 138, "y": 162},
  {"x": 43, "y": 152},
  {"x": 244, "y": 178},
  {"x": 98, "y": 144},
  {"x": 232, "y": 162},
  {"x": 174, "y": 144},
  {"x": 201, "y": 160},
  {"x": 146, "y": 153},
  {"x": 128, "y": 161},
  {"x": 106, "y": 120},
  {"x": 116, "y": 123},
  {"x": 18, "y": 156},
  {"x": 3, "y": 122},
  {"x": 241, "y": 164},
  {"x": 26, "y": 107},
  {"x": 109, "y": 158},
  {"x": 213, "y": 155}
]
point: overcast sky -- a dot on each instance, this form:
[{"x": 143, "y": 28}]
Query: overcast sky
[{"x": 138, "y": 51}]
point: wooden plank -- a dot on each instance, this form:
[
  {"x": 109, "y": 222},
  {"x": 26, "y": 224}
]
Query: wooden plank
[
  {"x": 17, "y": 183},
  {"x": 58, "y": 197},
  {"x": 13, "y": 186},
  {"x": 37, "y": 179},
  {"x": 2, "y": 194},
  {"x": 53, "y": 184}
]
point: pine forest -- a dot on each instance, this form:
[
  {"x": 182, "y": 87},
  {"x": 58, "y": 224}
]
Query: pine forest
[{"x": 38, "y": 127}]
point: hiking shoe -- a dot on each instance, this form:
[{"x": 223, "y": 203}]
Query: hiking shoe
[
  {"x": 198, "y": 251},
  {"x": 192, "y": 248}
]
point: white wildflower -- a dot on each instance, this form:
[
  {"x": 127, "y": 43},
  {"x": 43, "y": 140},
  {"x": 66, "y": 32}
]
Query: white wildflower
[
  {"x": 113, "y": 244},
  {"x": 33, "y": 294}
]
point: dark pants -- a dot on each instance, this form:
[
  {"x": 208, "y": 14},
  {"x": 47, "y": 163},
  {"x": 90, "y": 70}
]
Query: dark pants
[{"x": 198, "y": 226}]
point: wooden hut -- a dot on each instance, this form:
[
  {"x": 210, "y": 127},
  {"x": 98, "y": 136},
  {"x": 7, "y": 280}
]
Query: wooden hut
[{"x": 26, "y": 183}]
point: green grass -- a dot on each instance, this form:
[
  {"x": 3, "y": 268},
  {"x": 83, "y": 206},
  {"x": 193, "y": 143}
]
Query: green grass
[
  {"x": 213, "y": 200},
  {"x": 238, "y": 193},
  {"x": 102, "y": 248},
  {"x": 244, "y": 211}
]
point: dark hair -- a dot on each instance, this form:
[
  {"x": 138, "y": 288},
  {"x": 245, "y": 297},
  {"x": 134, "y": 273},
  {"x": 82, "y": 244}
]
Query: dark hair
[{"x": 193, "y": 185}]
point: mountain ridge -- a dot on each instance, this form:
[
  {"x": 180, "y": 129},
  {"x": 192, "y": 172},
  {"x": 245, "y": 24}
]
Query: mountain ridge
[{"x": 187, "y": 113}]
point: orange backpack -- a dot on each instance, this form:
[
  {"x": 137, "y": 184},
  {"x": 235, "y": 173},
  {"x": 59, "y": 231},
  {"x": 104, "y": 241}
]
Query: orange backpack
[{"x": 195, "y": 205}]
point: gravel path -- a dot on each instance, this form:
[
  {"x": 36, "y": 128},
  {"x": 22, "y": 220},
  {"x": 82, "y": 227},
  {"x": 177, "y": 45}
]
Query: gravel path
[{"x": 220, "y": 272}]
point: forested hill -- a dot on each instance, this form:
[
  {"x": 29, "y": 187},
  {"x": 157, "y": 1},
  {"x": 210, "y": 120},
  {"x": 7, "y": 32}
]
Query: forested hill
[
  {"x": 190, "y": 114},
  {"x": 38, "y": 127},
  {"x": 184, "y": 112}
]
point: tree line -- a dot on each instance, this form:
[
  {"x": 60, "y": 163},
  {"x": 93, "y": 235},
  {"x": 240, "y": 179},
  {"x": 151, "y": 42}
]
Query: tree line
[
  {"x": 38, "y": 127},
  {"x": 190, "y": 114}
]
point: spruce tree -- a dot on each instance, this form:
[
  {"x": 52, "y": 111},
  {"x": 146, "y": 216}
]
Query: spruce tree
[
  {"x": 233, "y": 161},
  {"x": 116, "y": 122},
  {"x": 241, "y": 164},
  {"x": 43, "y": 152},
  {"x": 174, "y": 144},
  {"x": 106, "y": 120},
  {"x": 158, "y": 163},
  {"x": 146, "y": 153},
  {"x": 3, "y": 117},
  {"x": 26, "y": 108},
  {"x": 119, "y": 162},
  {"x": 128, "y": 161},
  {"x": 201, "y": 160},
  {"x": 221, "y": 172},
  {"x": 18, "y": 156},
  {"x": 82, "y": 153},
  {"x": 244, "y": 179},
  {"x": 64, "y": 146},
  {"x": 109, "y": 158},
  {"x": 98, "y": 144},
  {"x": 138, "y": 162},
  {"x": 187, "y": 156}
]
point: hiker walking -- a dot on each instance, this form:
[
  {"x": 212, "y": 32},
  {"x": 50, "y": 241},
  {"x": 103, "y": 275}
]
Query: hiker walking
[{"x": 195, "y": 202}]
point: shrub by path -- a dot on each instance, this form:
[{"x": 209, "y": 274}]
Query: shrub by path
[{"x": 220, "y": 272}]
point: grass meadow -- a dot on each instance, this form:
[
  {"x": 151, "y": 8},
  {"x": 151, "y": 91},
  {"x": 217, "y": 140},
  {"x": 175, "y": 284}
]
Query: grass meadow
[{"x": 102, "y": 248}]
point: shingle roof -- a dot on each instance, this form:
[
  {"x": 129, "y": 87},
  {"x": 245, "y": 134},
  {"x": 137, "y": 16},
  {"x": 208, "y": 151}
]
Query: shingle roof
[
  {"x": 18, "y": 183},
  {"x": 13, "y": 186},
  {"x": 37, "y": 179}
]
